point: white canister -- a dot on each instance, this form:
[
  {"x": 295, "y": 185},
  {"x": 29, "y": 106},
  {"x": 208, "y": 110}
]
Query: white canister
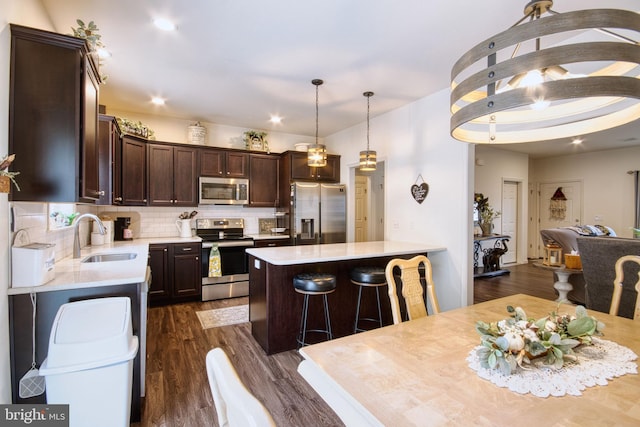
[
  {"x": 108, "y": 226},
  {"x": 97, "y": 239},
  {"x": 197, "y": 134}
]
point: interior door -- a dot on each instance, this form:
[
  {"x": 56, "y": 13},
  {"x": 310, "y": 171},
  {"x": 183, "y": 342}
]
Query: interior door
[
  {"x": 361, "y": 225},
  {"x": 572, "y": 190},
  {"x": 510, "y": 219}
]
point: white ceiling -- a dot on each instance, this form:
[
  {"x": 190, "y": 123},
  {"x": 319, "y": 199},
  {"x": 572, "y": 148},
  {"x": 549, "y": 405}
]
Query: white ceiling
[{"x": 236, "y": 62}]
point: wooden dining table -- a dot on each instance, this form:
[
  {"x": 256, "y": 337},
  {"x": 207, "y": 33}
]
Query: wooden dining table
[{"x": 416, "y": 374}]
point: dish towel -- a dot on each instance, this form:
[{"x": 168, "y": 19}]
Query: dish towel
[{"x": 215, "y": 267}]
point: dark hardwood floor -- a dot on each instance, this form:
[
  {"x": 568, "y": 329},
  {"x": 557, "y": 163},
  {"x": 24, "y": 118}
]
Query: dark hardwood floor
[{"x": 178, "y": 392}]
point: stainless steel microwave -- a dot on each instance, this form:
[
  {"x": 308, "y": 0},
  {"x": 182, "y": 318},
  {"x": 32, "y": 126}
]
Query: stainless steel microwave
[{"x": 224, "y": 191}]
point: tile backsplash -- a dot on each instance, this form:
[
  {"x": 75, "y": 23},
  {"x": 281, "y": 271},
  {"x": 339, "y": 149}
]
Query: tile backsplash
[{"x": 146, "y": 222}]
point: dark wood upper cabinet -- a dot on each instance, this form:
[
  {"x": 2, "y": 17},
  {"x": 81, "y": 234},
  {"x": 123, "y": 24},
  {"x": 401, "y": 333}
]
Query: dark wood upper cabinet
[
  {"x": 172, "y": 175},
  {"x": 224, "y": 163},
  {"x": 295, "y": 168},
  {"x": 109, "y": 140},
  {"x": 263, "y": 180},
  {"x": 53, "y": 117},
  {"x": 133, "y": 172}
]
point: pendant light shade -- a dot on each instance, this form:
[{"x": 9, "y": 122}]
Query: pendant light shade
[
  {"x": 317, "y": 153},
  {"x": 549, "y": 91},
  {"x": 368, "y": 158}
]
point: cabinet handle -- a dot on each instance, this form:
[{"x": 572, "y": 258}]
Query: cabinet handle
[
  {"x": 118, "y": 199},
  {"x": 165, "y": 249},
  {"x": 197, "y": 258},
  {"x": 101, "y": 193},
  {"x": 186, "y": 249},
  {"x": 144, "y": 200}
]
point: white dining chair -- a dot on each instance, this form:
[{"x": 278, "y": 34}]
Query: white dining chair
[
  {"x": 617, "y": 286},
  {"x": 235, "y": 405}
]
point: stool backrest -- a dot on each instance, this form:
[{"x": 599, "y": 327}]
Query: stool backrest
[
  {"x": 411, "y": 287},
  {"x": 235, "y": 405},
  {"x": 617, "y": 286}
]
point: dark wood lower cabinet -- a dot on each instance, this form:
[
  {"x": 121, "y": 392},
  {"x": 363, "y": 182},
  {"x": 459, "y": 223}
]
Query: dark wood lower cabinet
[{"x": 176, "y": 273}]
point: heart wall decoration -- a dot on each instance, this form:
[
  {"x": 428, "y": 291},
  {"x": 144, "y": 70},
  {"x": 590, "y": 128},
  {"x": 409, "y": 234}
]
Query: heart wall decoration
[{"x": 420, "y": 191}]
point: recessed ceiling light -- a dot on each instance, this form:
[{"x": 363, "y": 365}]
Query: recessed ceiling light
[
  {"x": 157, "y": 100},
  {"x": 164, "y": 24},
  {"x": 576, "y": 141},
  {"x": 275, "y": 120}
]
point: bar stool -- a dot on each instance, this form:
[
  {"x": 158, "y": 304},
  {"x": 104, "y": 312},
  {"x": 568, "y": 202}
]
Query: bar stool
[
  {"x": 368, "y": 277},
  {"x": 310, "y": 284}
]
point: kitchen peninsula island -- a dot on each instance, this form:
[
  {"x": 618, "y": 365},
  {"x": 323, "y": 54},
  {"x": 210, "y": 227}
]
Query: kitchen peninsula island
[{"x": 275, "y": 307}]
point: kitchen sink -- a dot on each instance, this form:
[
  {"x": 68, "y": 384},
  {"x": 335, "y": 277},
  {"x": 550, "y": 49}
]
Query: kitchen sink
[{"x": 124, "y": 256}]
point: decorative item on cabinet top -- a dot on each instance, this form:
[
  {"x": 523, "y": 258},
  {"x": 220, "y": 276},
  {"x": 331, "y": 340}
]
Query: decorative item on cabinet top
[
  {"x": 97, "y": 49},
  {"x": 5, "y": 175},
  {"x": 256, "y": 140},
  {"x": 135, "y": 128},
  {"x": 197, "y": 134}
]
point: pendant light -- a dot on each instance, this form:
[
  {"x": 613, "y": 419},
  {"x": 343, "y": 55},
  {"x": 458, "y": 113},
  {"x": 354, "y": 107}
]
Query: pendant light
[
  {"x": 501, "y": 96},
  {"x": 317, "y": 154},
  {"x": 368, "y": 157}
]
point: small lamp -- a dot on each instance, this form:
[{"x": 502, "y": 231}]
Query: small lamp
[{"x": 552, "y": 255}]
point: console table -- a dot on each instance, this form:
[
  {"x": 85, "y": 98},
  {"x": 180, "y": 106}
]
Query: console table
[{"x": 499, "y": 246}]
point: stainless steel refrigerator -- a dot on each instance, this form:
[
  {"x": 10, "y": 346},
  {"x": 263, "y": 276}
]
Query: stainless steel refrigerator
[{"x": 318, "y": 213}]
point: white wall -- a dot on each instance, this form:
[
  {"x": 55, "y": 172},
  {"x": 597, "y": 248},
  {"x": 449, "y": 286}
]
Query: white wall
[
  {"x": 414, "y": 141},
  {"x": 493, "y": 167},
  {"x": 28, "y": 13},
  {"x": 608, "y": 191}
]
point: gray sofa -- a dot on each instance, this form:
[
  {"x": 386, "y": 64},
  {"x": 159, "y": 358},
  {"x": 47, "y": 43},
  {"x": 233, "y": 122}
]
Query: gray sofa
[{"x": 599, "y": 255}]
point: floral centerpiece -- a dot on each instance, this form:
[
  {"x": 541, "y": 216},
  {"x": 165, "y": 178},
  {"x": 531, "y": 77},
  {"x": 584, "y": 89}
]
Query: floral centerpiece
[{"x": 513, "y": 342}]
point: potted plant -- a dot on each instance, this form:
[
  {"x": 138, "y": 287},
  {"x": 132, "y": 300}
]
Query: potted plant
[
  {"x": 5, "y": 175},
  {"x": 486, "y": 214}
]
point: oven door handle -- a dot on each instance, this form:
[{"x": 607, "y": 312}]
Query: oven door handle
[{"x": 229, "y": 244}]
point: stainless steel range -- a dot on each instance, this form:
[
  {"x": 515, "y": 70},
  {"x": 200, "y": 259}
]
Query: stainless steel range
[{"x": 228, "y": 235}]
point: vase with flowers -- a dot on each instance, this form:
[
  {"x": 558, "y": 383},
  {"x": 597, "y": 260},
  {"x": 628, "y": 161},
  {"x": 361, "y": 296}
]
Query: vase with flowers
[{"x": 486, "y": 214}]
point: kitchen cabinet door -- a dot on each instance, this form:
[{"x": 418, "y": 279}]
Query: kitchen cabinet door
[
  {"x": 172, "y": 175},
  {"x": 186, "y": 270},
  {"x": 133, "y": 172},
  {"x": 53, "y": 95},
  {"x": 224, "y": 163},
  {"x": 159, "y": 290},
  {"x": 160, "y": 174},
  {"x": 185, "y": 178},
  {"x": 109, "y": 139},
  {"x": 263, "y": 180}
]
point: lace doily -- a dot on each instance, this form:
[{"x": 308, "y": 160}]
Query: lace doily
[{"x": 596, "y": 364}]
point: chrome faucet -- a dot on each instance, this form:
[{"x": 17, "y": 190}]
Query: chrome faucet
[{"x": 76, "y": 237}]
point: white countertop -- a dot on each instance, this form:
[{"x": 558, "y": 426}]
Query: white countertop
[
  {"x": 304, "y": 254},
  {"x": 71, "y": 273},
  {"x": 268, "y": 236}
]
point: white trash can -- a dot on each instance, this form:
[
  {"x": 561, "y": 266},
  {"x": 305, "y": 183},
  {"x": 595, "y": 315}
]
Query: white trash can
[{"x": 89, "y": 365}]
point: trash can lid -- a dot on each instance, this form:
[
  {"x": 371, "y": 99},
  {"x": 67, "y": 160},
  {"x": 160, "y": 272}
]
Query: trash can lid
[{"x": 95, "y": 332}]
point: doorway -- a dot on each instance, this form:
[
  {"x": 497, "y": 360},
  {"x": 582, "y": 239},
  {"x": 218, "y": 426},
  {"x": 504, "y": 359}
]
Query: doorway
[
  {"x": 510, "y": 218},
  {"x": 369, "y": 204}
]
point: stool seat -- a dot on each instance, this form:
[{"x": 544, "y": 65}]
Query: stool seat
[
  {"x": 368, "y": 276},
  {"x": 314, "y": 283}
]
